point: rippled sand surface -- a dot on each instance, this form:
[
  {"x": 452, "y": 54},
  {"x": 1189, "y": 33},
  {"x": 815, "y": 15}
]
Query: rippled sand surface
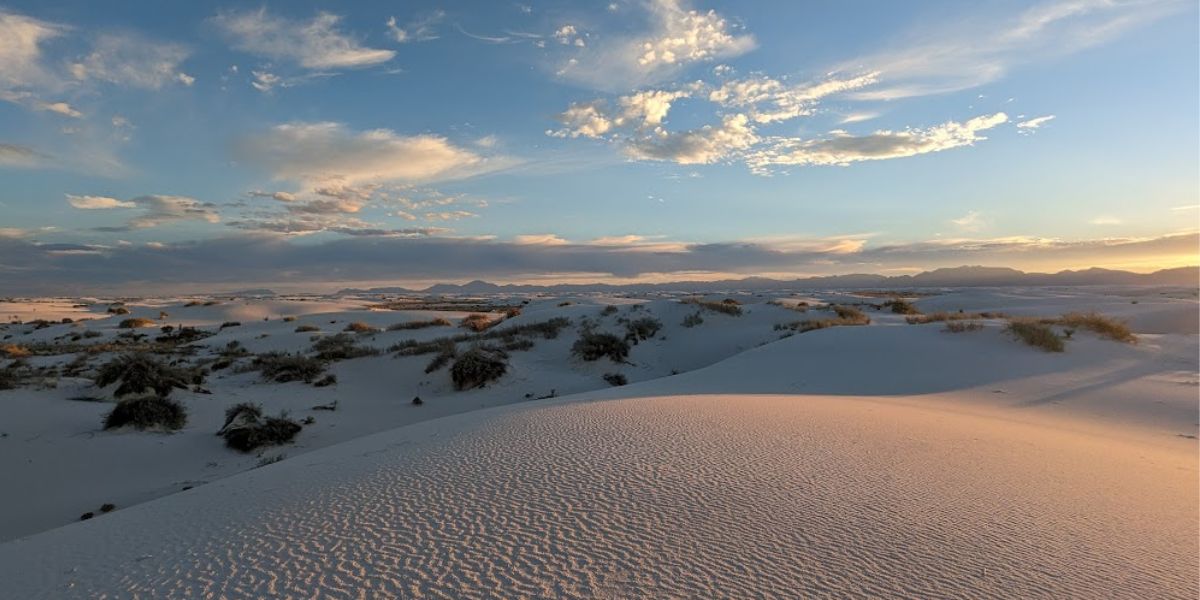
[{"x": 678, "y": 496}]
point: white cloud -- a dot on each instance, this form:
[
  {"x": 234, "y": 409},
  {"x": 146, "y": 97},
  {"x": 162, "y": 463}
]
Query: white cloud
[
  {"x": 418, "y": 30},
  {"x": 650, "y": 106},
  {"x": 21, "y": 41},
  {"x": 972, "y": 221},
  {"x": 567, "y": 35},
  {"x": 97, "y": 202},
  {"x": 130, "y": 60},
  {"x": 542, "y": 239},
  {"x": 585, "y": 119},
  {"x": 858, "y": 117},
  {"x": 265, "y": 81},
  {"x": 315, "y": 44},
  {"x": 15, "y": 155},
  {"x": 280, "y": 196},
  {"x": 449, "y": 215},
  {"x": 700, "y": 146},
  {"x": 319, "y": 153},
  {"x": 843, "y": 148},
  {"x": 968, "y": 54},
  {"x": 768, "y": 100},
  {"x": 61, "y": 108},
  {"x": 678, "y": 36},
  {"x": 1034, "y": 123}
]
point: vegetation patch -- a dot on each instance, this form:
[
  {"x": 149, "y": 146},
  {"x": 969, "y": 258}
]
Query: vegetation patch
[
  {"x": 307, "y": 328},
  {"x": 282, "y": 367},
  {"x": 1105, "y": 327},
  {"x": 1036, "y": 334},
  {"x": 360, "y": 327},
  {"x": 478, "y": 366},
  {"x": 593, "y": 346},
  {"x": 728, "y": 306},
  {"x": 942, "y": 316},
  {"x": 477, "y": 322},
  {"x": 693, "y": 320},
  {"x": 962, "y": 326},
  {"x": 340, "y": 347},
  {"x": 901, "y": 306},
  {"x": 642, "y": 329},
  {"x": 147, "y": 412},
  {"x": 409, "y": 325},
  {"x": 246, "y": 429},
  {"x": 142, "y": 374},
  {"x": 136, "y": 323},
  {"x": 615, "y": 379}
]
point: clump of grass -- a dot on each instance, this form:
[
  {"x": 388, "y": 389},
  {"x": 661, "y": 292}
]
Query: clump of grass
[
  {"x": 307, "y": 328},
  {"x": 611, "y": 309},
  {"x": 448, "y": 353},
  {"x": 438, "y": 322},
  {"x": 289, "y": 319},
  {"x": 228, "y": 324},
  {"x": 517, "y": 344},
  {"x": 848, "y": 315},
  {"x": 118, "y": 310},
  {"x": 340, "y": 347},
  {"x": 147, "y": 412},
  {"x": 246, "y": 429},
  {"x": 1036, "y": 334},
  {"x": 1105, "y": 327},
  {"x": 962, "y": 326},
  {"x": 142, "y": 374},
  {"x": 642, "y": 329},
  {"x": 360, "y": 327},
  {"x": 693, "y": 320},
  {"x": 136, "y": 323},
  {"x": 547, "y": 329},
  {"x": 942, "y": 316},
  {"x": 15, "y": 351},
  {"x": 326, "y": 381},
  {"x": 615, "y": 379},
  {"x": 477, "y": 367},
  {"x": 477, "y": 322},
  {"x": 902, "y": 307},
  {"x": 593, "y": 346},
  {"x": 282, "y": 367},
  {"x": 728, "y": 306}
]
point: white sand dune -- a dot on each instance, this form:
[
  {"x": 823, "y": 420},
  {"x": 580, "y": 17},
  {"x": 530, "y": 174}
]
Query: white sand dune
[
  {"x": 681, "y": 496},
  {"x": 891, "y": 460}
]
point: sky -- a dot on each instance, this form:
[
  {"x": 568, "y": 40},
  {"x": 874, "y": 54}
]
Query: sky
[{"x": 311, "y": 145}]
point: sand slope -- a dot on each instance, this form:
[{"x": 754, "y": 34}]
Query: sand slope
[{"x": 689, "y": 496}]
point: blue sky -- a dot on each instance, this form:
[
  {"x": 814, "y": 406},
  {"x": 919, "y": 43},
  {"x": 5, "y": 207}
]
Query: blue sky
[{"x": 642, "y": 139}]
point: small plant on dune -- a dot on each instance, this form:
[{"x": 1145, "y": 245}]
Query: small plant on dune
[
  {"x": 142, "y": 374},
  {"x": 942, "y": 316},
  {"x": 517, "y": 344},
  {"x": 850, "y": 315},
  {"x": 118, "y": 310},
  {"x": 642, "y": 329},
  {"x": 136, "y": 323},
  {"x": 478, "y": 366},
  {"x": 611, "y": 309},
  {"x": 593, "y": 346},
  {"x": 15, "y": 351},
  {"x": 326, "y": 381},
  {"x": 477, "y": 322},
  {"x": 407, "y": 325},
  {"x": 448, "y": 353},
  {"x": 228, "y": 324},
  {"x": 360, "y": 327},
  {"x": 728, "y": 306},
  {"x": 147, "y": 412},
  {"x": 615, "y": 379},
  {"x": 902, "y": 307},
  {"x": 289, "y": 319},
  {"x": 246, "y": 429},
  {"x": 693, "y": 320},
  {"x": 307, "y": 328},
  {"x": 340, "y": 347},
  {"x": 282, "y": 367},
  {"x": 1105, "y": 327},
  {"x": 1036, "y": 334},
  {"x": 962, "y": 326}
]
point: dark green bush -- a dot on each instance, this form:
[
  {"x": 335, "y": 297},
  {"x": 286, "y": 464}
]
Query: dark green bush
[
  {"x": 594, "y": 346},
  {"x": 147, "y": 412},
  {"x": 478, "y": 366},
  {"x": 142, "y": 374},
  {"x": 282, "y": 367}
]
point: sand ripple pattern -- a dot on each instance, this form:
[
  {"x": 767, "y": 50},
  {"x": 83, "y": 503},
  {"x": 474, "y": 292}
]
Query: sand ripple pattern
[{"x": 675, "y": 497}]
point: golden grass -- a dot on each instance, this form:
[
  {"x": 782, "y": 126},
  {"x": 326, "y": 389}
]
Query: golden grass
[{"x": 1037, "y": 334}]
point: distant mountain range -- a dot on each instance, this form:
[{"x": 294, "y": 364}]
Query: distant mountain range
[{"x": 949, "y": 277}]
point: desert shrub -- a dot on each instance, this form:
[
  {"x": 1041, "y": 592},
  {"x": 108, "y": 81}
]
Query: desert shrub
[
  {"x": 962, "y": 326},
  {"x": 564, "y": 303},
  {"x": 1036, "y": 334},
  {"x": 142, "y": 374},
  {"x": 360, "y": 327},
  {"x": 182, "y": 335},
  {"x": 282, "y": 367},
  {"x": 307, "y": 328},
  {"x": 136, "y": 323},
  {"x": 289, "y": 319},
  {"x": 1105, "y": 327},
  {"x": 477, "y": 367},
  {"x": 642, "y": 329},
  {"x": 941, "y": 316},
  {"x": 91, "y": 333},
  {"x": 326, "y": 381},
  {"x": 693, "y": 320},
  {"x": 512, "y": 312},
  {"x": 438, "y": 322},
  {"x": 118, "y": 310},
  {"x": 15, "y": 351},
  {"x": 615, "y": 379},
  {"x": 477, "y": 322},
  {"x": 340, "y": 347},
  {"x": 448, "y": 353},
  {"x": 902, "y": 307},
  {"x": 850, "y": 315},
  {"x": 728, "y": 306},
  {"x": 517, "y": 344},
  {"x": 594, "y": 346},
  {"x": 611, "y": 309},
  {"x": 227, "y": 324},
  {"x": 246, "y": 429},
  {"x": 547, "y": 329},
  {"x": 147, "y": 412}
]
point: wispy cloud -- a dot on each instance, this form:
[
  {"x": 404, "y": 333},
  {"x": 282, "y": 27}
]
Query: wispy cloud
[
  {"x": 315, "y": 44},
  {"x": 420, "y": 29}
]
